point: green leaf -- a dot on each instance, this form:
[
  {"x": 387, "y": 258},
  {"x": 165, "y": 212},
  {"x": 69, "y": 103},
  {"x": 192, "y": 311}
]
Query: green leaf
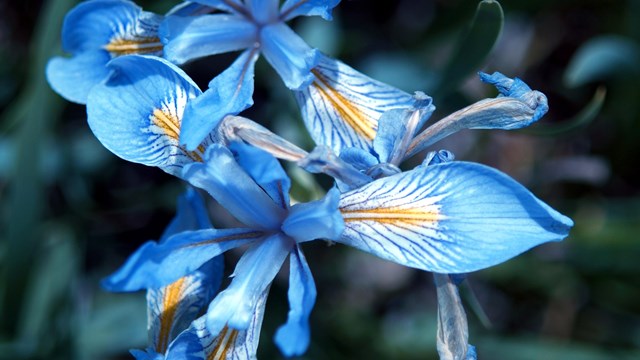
[
  {"x": 474, "y": 47},
  {"x": 603, "y": 58}
]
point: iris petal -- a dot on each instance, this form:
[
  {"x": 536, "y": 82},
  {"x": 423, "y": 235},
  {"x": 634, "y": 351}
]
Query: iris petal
[
  {"x": 234, "y": 307},
  {"x": 289, "y": 55},
  {"x": 341, "y": 107},
  {"x": 191, "y": 215},
  {"x": 322, "y": 8},
  {"x": 234, "y": 189},
  {"x": 449, "y": 218},
  {"x": 229, "y": 93},
  {"x": 155, "y": 265},
  {"x": 192, "y": 37},
  {"x": 318, "y": 219},
  {"x": 73, "y": 78},
  {"x": 293, "y": 337},
  {"x": 173, "y": 307},
  {"x": 137, "y": 113},
  {"x": 197, "y": 343},
  {"x": 263, "y": 11}
]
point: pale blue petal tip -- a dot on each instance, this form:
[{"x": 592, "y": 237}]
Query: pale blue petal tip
[{"x": 292, "y": 339}]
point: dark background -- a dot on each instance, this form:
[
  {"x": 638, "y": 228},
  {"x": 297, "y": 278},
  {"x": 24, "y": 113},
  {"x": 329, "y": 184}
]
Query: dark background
[{"x": 71, "y": 212}]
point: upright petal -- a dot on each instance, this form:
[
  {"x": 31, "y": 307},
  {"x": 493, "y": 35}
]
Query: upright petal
[
  {"x": 234, "y": 307},
  {"x": 293, "y": 337},
  {"x": 197, "y": 343},
  {"x": 172, "y": 308},
  {"x": 289, "y": 55},
  {"x": 263, "y": 11},
  {"x": 341, "y": 107},
  {"x": 191, "y": 215},
  {"x": 192, "y": 37},
  {"x": 265, "y": 170},
  {"x": 156, "y": 265},
  {"x": 448, "y": 218},
  {"x": 516, "y": 107},
  {"x": 234, "y": 189},
  {"x": 293, "y": 8},
  {"x": 318, "y": 219},
  {"x": 229, "y": 93}
]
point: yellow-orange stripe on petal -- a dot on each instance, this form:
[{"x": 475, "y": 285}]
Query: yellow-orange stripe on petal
[
  {"x": 225, "y": 344},
  {"x": 140, "y": 45},
  {"x": 169, "y": 125},
  {"x": 364, "y": 124},
  {"x": 173, "y": 293},
  {"x": 394, "y": 215}
]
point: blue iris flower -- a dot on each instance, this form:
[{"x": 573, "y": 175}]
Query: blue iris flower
[
  {"x": 254, "y": 188},
  {"x": 255, "y": 25}
]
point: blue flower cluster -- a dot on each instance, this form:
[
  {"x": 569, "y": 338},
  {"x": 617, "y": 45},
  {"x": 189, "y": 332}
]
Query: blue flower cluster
[{"x": 443, "y": 216}]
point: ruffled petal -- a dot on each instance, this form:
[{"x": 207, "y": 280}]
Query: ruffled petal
[
  {"x": 322, "y": 8},
  {"x": 323, "y": 160},
  {"x": 265, "y": 170},
  {"x": 155, "y": 265},
  {"x": 229, "y": 93},
  {"x": 341, "y": 107},
  {"x": 197, "y": 343},
  {"x": 289, "y": 55},
  {"x": 318, "y": 219},
  {"x": 516, "y": 107},
  {"x": 172, "y": 308},
  {"x": 191, "y": 215},
  {"x": 73, "y": 78},
  {"x": 293, "y": 337},
  {"x": 234, "y": 307},
  {"x": 449, "y": 218},
  {"x": 192, "y": 37},
  {"x": 234, "y": 189},
  {"x": 137, "y": 113}
]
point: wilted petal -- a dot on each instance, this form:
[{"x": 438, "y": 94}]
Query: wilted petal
[
  {"x": 234, "y": 307},
  {"x": 448, "y": 218},
  {"x": 322, "y": 8},
  {"x": 192, "y": 37},
  {"x": 156, "y": 265},
  {"x": 318, "y": 219},
  {"x": 234, "y": 189},
  {"x": 137, "y": 113},
  {"x": 229, "y": 93},
  {"x": 289, "y": 55},
  {"x": 453, "y": 331},
  {"x": 172, "y": 308},
  {"x": 197, "y": 343},
  {"x": 517, "y": 106},
  {"x": 341, "y": 107},
  {"x": 293, "y": 337}
]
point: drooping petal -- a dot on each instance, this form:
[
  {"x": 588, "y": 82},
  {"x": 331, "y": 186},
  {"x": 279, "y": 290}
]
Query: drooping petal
[
  {"x": 293, "y": 8},
  {"x": 516, "y": 107},
  {"x": 293, "y": 337},
  {"x": 341, "y": 107},
  {"x": 155, "y": 265},
  {"x": 234, "y": 307},
  {"x": 229, "y": 93},
  {"x": 449, "y": 218},
  {"x": 137, "y": 113},
  {"x": 192, "y": 37},
  {"x": 453, "y": 331},
  {"x": 197, "y": 343},
  {"x": 234, "y": 189},
  {"x": 318, "y": 219},
  {"x": 265, "y": 170},
  {"x": 118, "y": 26},
  {"x": 191, "y": 215},
  {"x": 172, "y": 308},
  {"x": 73, "y": 78},
  {"x": 289, "y": 55}
]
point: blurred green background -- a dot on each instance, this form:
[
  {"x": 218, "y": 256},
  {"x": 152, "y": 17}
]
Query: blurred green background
[{"x": 71, "y": 212}]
